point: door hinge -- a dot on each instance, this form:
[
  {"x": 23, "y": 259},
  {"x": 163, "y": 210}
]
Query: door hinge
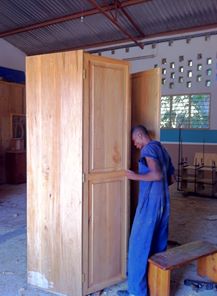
[
  {"x": 83, "y": 177},
  {"x": 83, "y": 277},
  {"x": 84, "y": 73}
]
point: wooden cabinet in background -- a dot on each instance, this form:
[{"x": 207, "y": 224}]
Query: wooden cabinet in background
[
  {"x": 12, "y": 101},
  {"x": 15, "y": 167}
]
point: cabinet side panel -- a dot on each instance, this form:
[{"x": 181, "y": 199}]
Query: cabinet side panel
[{"x": 54, "y": 168}]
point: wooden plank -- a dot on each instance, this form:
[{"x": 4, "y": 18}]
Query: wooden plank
[
  {"x": 207, "y": 181},
  {"x": 107, "y": 176},
  {"x": 106, "y": 142},
  {"x": 188, "y": 178},
  {"x": 190, "y": 167},
  {"x": 208, "y": 169},
  {"x": 54, "y": 187},
  {"x": 181, "y": 255}
]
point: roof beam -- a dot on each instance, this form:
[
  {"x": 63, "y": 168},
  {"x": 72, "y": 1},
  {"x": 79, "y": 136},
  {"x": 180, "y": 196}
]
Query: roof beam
[
  {"x": 86, "y": 47},
  {"x": 116, "y": 44},
  {"x": 69, "y": 17},
  {"x": 185, "y": 30},
  {"x": 158, "y": 37},
  {"x": 130, "y": 20},
  {"x": 115, "y": 23}
]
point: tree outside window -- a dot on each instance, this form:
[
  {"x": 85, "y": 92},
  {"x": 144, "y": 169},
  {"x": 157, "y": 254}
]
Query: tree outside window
[{"x": 185, "y": 111}]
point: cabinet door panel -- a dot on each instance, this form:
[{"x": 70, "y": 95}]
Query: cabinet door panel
[
  {"x": 106, "y": 142},
  {"x": 146, "y": 89},
  {"x": 145, "y": 94},
  {"x": 106, "y": 225},
  {"x": 107, "y": 107}
]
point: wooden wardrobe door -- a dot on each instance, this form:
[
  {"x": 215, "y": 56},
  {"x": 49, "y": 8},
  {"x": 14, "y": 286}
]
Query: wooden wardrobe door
[
  {"x": 145, "y": 95},
  {"x": 106, "y": 155},
  {"x": 146, "y": 92}
]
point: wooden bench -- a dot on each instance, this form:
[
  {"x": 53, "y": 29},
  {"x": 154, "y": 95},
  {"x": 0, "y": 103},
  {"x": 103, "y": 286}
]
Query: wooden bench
[{"x": 161, "y": 264}]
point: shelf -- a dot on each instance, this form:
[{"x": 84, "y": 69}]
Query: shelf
[
  {"x": 189, "y": 167},
  {"x": 206, "y": 181},
  {"x": 201, "y": 180},
  {"x": 188, "y": 179},
  {"x": 208, "y": 169}
]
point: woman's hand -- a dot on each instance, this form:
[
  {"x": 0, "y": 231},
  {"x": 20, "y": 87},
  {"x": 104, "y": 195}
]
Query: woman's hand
[{"x": 131, "y": 175}]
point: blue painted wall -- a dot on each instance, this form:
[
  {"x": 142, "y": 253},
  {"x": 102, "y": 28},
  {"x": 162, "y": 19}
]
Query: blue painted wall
[
  {"x": 12, "y": 75},
  {"x": 189, "y": 136}
]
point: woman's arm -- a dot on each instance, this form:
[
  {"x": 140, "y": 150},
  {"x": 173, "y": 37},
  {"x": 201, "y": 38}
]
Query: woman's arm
[{"x": 154, "y": 174}]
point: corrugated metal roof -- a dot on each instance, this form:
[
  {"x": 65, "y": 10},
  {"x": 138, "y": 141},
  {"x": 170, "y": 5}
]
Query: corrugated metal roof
[
  {"x": 166, "y": 15},
  {"x": 152, "y": 17}
]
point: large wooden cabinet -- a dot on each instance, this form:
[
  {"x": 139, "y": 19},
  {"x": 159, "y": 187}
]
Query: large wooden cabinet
[
  {"x": 78, "y": 132},
  {"x": 12, "y": 101}
]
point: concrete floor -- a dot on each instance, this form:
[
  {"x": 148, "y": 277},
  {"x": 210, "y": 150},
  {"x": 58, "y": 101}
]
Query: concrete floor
[{"x": 192, "y": 218}]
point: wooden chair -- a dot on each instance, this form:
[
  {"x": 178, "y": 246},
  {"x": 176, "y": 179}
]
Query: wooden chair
[{"x": 161, "y": 264}]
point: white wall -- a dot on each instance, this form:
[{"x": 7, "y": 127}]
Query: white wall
[
  {"x": 11, "y": 57},
  {"x": 148, "y": 57}
]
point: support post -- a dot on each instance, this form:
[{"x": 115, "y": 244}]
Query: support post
[
  {"x": 158, "y": 281},
  {"x": 207, "y": 266}
]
